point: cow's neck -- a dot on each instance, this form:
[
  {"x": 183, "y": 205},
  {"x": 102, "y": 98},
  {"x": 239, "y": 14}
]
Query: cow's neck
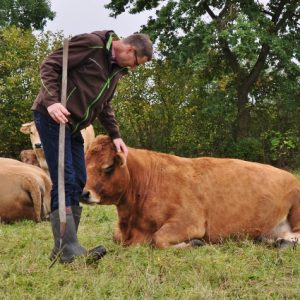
[{"x": 145, "y": 175}]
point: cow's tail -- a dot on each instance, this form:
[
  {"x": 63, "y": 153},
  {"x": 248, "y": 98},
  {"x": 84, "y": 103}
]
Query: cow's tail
[{"x": 32, "y": 186}]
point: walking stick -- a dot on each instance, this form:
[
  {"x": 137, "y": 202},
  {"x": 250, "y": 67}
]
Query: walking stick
[{"x": 61, "y": 153}]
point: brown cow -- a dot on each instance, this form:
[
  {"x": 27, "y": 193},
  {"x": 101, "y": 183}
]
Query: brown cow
[
  {"x": 25, "y": 191},
  {"x": 29, "y": 157},
  {"x": 168, "y": 200},
  {"x": 29, "y": 128},
  {"x": 88, "y": 136}
]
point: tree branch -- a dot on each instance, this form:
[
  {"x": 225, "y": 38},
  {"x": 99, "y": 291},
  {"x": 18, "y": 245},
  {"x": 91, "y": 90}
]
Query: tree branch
[
  {"x": 265, "y": 49},
  {"x": 232, "y": 60}
]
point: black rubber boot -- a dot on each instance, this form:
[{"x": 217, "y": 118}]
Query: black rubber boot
[
  {"x": 70, "y": 245},
  {"x": 93, "y": 254},
  {"x": 56, "y": 235},
  {"x": 76, "y": 210}
]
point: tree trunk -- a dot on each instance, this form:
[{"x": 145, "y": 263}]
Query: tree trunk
[{"x": 243, "y": 120}]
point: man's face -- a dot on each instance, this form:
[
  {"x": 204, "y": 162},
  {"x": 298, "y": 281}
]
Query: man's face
[{"x": 128, "y": 58}]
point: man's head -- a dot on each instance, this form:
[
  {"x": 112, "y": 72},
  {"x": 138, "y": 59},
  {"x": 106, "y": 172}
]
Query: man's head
[{"x": 132, "y": 51}]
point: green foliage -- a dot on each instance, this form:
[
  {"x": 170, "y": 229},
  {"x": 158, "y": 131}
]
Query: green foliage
[
  {"x": 283, "y": 146},
  {"x": 20, "y": 56},
  {"x": 155, "y": 111},
  {"x": 249, "y": 149},
  {"x": 243, "y": 41},
  {"x": 231, "y": 270},
  {"x": 225, "y": 85},
  {"x": 178, "y": 110},
  {"x": 26, "y": 14}
]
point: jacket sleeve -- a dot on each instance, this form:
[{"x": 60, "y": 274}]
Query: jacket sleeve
[
  {"x": 80, "y": 48},
  {"x": 109, "y": 122}
]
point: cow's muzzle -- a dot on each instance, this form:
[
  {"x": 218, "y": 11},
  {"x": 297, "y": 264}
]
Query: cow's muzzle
[
  {"x": 87, "y": 199},
  {"x": 38, "y": 146}
]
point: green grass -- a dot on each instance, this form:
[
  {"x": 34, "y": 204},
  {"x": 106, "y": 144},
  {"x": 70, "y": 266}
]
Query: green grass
[{"x": 232, "y": 270}]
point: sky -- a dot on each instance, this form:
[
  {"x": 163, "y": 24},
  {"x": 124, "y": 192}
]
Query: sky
[{"x": 81, "y": 16}]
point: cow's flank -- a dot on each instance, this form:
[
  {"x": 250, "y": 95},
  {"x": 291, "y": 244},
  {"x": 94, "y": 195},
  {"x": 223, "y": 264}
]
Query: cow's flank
[
  {"x": 25, "y": 191},
  {"x": 168, "y": 200}
]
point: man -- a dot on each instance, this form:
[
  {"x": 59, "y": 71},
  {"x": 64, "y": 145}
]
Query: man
[{"x": 96, "y": 62}]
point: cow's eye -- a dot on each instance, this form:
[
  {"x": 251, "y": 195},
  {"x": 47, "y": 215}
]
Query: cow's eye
[{"x": 108, "y": 170}]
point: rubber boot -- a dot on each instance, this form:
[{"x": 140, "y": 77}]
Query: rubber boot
[
  {"x": 70, "y": 245},
  {"x": 93, "y": 254},
  {"x": 76, "y": 210},
  {"x": 56, "y": 236}
]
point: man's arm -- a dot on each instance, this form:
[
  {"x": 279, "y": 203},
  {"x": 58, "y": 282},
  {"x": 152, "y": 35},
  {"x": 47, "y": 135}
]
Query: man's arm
[
  {"x": 81, "y": 47},
  {"x": 109, "y": 122}
]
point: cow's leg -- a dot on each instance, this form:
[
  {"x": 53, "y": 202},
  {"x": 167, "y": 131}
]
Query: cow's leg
[
  {"x": 117, "y": 236},
  {"x": 294, "y": 216},
  {"x": 288, "y": 232},
  {"x": 178, "y": 234},
  {"x": 290, "y": 237}
]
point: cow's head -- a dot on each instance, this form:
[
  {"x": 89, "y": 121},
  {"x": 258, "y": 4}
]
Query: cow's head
[
  {"x": 29, "y": 128},
  {"x": 29, "y": 157},
  {"x": 107, "y": 173}
]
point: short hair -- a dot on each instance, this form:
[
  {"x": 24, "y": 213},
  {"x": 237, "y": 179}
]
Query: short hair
[{"x": 142, "y": 44}]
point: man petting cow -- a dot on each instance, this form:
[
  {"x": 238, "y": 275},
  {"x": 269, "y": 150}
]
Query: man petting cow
[{"x": 96, "y": 62}]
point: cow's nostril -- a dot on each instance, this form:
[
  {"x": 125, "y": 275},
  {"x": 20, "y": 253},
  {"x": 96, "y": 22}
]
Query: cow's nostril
[
  {"x": 39, "y": 145},
  {"x": 85, "y": 197}
]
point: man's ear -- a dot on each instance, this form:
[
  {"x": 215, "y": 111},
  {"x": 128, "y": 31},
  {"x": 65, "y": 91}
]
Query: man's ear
[{"x": 129, "y": 48}]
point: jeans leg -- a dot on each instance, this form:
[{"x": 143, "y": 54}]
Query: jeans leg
[
  {"x": 49, "y": 133},
  {"x": 78, "y": 166}
]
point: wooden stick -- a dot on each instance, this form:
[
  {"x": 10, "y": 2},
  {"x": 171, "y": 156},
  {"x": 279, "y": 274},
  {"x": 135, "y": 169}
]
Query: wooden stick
[{"x": 61, "y": 149}]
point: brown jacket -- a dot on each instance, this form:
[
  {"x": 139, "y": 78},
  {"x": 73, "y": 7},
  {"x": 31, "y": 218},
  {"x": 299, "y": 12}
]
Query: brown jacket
[{"x": 92, "y": 80}]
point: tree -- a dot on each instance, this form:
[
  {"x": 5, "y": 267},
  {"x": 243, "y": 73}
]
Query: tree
[
  {"x": 21, "y": 54},
  {"x": 246, "y": 40},
  {"x": 26, "y": 14}
]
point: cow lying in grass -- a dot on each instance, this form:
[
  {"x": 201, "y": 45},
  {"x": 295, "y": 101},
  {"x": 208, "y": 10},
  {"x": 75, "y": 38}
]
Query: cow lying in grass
[
  {"x": 166, "y": 200},
  {"x": 25, "y": 191}
]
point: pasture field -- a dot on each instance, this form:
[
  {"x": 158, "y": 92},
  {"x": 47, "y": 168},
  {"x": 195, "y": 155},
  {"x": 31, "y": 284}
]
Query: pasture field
[{"x": 232, "y": 270}]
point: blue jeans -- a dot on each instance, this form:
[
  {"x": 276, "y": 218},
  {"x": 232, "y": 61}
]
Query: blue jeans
[{"x": 75, "y": 171}]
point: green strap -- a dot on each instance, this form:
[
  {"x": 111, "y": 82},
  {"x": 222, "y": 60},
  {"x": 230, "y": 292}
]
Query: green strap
[
  {"x": 110, "y": 39},
  {"x": 109, "y": 42}
]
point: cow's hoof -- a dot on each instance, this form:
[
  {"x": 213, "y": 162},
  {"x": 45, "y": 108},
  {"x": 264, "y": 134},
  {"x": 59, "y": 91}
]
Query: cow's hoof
[
  {"x": 196, "y": 243},
  {"x": 282, "y": 243}
]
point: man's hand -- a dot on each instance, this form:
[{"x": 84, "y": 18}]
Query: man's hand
[
  {"x": 120, "y": 145},
  {"x": 58, "y": 113}
]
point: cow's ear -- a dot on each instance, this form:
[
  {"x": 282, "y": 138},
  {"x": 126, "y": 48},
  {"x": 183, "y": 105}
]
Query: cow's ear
[
  {"x": 25, "y": 128},
  {"x": 120, "y": 159}
]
